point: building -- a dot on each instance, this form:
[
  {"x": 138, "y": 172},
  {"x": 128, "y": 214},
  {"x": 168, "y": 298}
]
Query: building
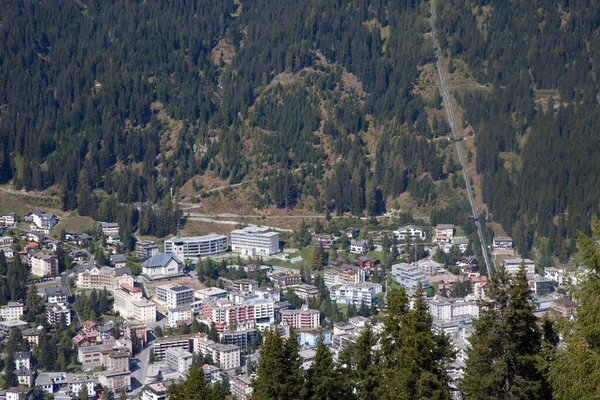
[
  {"x": 162, "y": 266},
  {"x": 444, "y": 233},
  {"x": 224, "y": 312},
  {"x": 41, "y": 221},
  {"x": 410, "y": 231},
  {"x": 241, "y": 387},
  {"x": 116, "y": 359},
  {"x": 130, "y": 304},
  {"x": 255, "y": 241},
  {"x": 541, "y": 286},
  {"x": 331, "y": 277},
  {"x": 211, "y": 293},
  {"x": 32, "y": 336},
  {"x": 461, "y": 243},
  {"x": 197, "y": 246},
  {"x": 9, "y": 219},
  {"x": 118, "y": 260},
  {"x": 43, "y": 264},
  {"x": 75, "y": 382},
  {"x": 90, "y": 276},
  {"x": 7, "y": 326},
  {"x": 429, "y": 267},
  {"x": 513, "y": 265},
  {"x": 22, "y": 360},
  {"x": 161, "y": 345},
  {"x": 367, "y": 263},
  {"x": 302, "y": 319},
  {"x": 285, "y": 280},
  {"x": 358, "y": 247},
  {"x": 108, "y": 228},
  {"x": 225, "y": 356},
  {"x": 326, "y": 241},
  {"x": 56, "y": 311},
  {"x": 19, "y": 393},
  {"x": 54, "y": 294},
  {"x": 310, "y": 338},
  {"x": 240, "y": 338},
  {"x": 183, "y": 313},
  {"x": 244, "y": 285},
  {"x": 448, "y": 309},
  {"x": 13, "y": 311},
  {"x": 502, "y": 243},
  {"x": 155, "y": 391},
  {"x": 409, "y": 276},
  {"x": 8, "y": 251},
  {"x": 24, "y": 377},
  {"x": 174, "y": 296},
  {"x": 350, "y": 274},
  {"x": 146, "y": 249},
  {"x": 565, "y": 307},
  {"x": 179, "y": 360},
  {"x": 115, "y": 381},
  {"x": 306, "y": 292},
  {"x": 357, "y": 294},
  {"x": 268, "y": 293}
]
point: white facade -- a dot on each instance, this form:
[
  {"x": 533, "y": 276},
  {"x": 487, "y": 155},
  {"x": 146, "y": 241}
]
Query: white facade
[
  {"x": 304, "y": 318},
  {"x": 359, "y": 293},
  {"x": 225, "y": 356},
  {"x": 44, "y": 265},
  {"x": 130, "y": 304},
  {"x": 446, "y": 309},
  {"x": 162, "y": 266},
  {"x": 409, "y": 276},
  {"x": 255, "y": 240},
  {"x": 179, "y": 314},
  {"x": 513, "y": 265},
  {"x": 174, "y": 296},
  {"x": 197, "y": 246},
  {"x": 155, "y": 391},
  {"x": 55, "y": 311},
  {"x": 8, "y": 219},
  {"x": 241, "y": 387},
  {"x": 410, "y": 231},
  {"x": 13, "y": 311},
  {"x": 179, "y": 360},
  {"x": 42, "y": 221},
  {"x": 358, "y": 247}
]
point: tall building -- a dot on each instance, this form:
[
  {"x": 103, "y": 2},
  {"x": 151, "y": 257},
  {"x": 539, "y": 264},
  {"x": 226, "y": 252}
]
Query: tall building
[
  {"x": 513, "y": 265},
  {"x": 174, "y": 296},
  {"x": 43, "y": 264},
  {"x": 197, "y": 246},
  {"x": 255, "y": 241},
  {"x": 224, "y": 312},
  {"x": 409, "y": 276},
  {"x": 179, "y": 360},
  {"x": 304, "y": 318},
  {"x": 91, "y": 276},
  {"x": 130, "y": 304}
]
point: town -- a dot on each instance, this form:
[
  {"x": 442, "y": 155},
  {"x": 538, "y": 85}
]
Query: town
[{"x": 97, "y": 319}]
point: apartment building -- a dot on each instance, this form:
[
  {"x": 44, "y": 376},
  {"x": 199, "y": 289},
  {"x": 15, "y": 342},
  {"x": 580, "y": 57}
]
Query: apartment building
[
  {"x": 357, "y": 293},
  {"x": 409, "y": 276},
  {"x": 240, "y": 338},
  {"x": 410, "y": 232},
  {"x": 41, "y": 221},
  {"x": 108, "y": 228},
  {"x": 255, "y": 241},
  {"x": 225, "y": 356},
  {"x": 13, "y": 311},
  {"x": 282, "y": 280},
  {"x": 130, "y": 304},
  {"x": 161, "y": 345},
  {"x": 447, "y": 309},
  {"x": 182, "y": 313},
  {"x": 302, "y": 319},
  {"x": 91, "y": 276},
  {"x": 224, "y": 312},
  {"x": 443, "y": 233},
  {"x": 173, "y": 296},
  {"x": 197, "y": 246},
  {"x": 513, "y": 265},
  {"x": 241, "y": 387},
  {"x": 155, "y": 391},
  {"x": 43, "y": 264},
  {"x": 179, "y": 360},
  {"x": 9, "y": 219},
  {"x": 56, "y": 311},
  {"x": 244, "y": 285},
  {"x": 306, "y": 292},
  {"x": 350, "y": 274},
  {"x": 115, "y": 380},
  {"x": 146, "y": 249}
]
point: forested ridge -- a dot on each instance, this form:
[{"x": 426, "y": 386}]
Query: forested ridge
[
  {"x": 316, "y": 103},
  {"x": 536, "y": 130}
]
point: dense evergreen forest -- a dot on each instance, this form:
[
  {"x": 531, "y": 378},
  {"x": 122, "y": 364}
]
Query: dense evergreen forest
[
  {"x": 314, "y": 102},
  {"x": 537, "y": 129}
]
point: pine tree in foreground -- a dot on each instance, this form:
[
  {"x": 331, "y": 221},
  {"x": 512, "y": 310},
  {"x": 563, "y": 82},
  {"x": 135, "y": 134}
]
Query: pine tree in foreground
[
  {"x": 360, "y": 365},
  {"x": 279, "y": 373},
  {"x": 192, "y": 388},
  {"x": 505, "y": 347},
  {"x": 324, "y": 381},
  {"x": 573, "y": 370}
]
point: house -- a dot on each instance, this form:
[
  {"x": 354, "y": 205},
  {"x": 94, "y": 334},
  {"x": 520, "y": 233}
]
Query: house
[
  {"x": 565, "y": 307},
  {"x": 9, "y": 219},
  {"x": 409, "y": 276},
  {"x": 146, "y": 249},
  {"x": 367, "y": 263},
  {"x": 351, "y": 232},
  {"x": 22, "y": 359},
  {"x": 78, "y": 255},
  {"x": 83, "y": 240},
  {"x": 461, "y": 243},
  {"x": 410, "y": 231},
  {"x": 24, "y": 377},
  {"x": 326, "y": 241},
  {"x": 8, "y": 251},
  {"x": 54, "y": 245},
  {"x": 54, "y": 294},
  {"x": 502, "y": 243},
  {"x": 41, "y": 221},
  {"x": 70, "y": 236},
  {"x": 19, "y": 393},
  {"x": 118, "y": 260},
  {"x": 444, "y": 233},
  {"x": 162, "y": 266},
  {"x": 358, "y": 247},
  {"x": 43, "y": 264},
  {"x": 34, "y": 236},
  {"x": 108, "y": 228}
]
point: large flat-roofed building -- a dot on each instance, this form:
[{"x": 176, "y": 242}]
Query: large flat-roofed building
[
  {"x": 115, "y": 380},
  {"x": 197, "y": 246},
  {"x": 224, "y": 312},
  {"x": 513, "y": 265},
  {"x": 226, "y": 356},
  {"x": 409, "y": 276},
  {"x": 155, "y": 391},
  {"x": 161, "y": 345},
  {"x": 179, "y": 360},
  {"x": 241, "y": 387},
  {"x": 255, "y": 241},
  {"x": 304, "y": 318},
  {"x": 131, "y": 305},
  {"x": 357, "y": 294},
  {"x": 43, "y": 264},
  {"x": 241, "y": 338},
  {"x": 91, "y": 276},
  {"x": 174, "y": 296}
]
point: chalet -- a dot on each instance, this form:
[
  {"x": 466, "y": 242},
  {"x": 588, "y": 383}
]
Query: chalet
[
  {"x": 35, "y": 236},
  {"x": 351, "y": 232},
  {"x": 444, "y": 233},
  {"x": 358, "y": 247},
  {"x": 84, "y": 239},
  {"x": 118, "y": 260},
  {"x": 461, "y": 242},
  {"x": 367, "y": 263},
  {"x": 78, "y": 255},
  {"x": 326, "y": 241}
]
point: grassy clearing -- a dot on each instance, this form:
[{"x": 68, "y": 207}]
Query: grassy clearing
[{"x": 74, "y": 222}]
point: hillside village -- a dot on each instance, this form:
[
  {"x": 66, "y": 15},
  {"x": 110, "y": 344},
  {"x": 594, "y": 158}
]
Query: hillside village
[{"x": 96, "y": 319}]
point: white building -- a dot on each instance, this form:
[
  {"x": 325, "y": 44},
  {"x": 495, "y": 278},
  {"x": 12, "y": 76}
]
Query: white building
[
  {"x": 198, "y": 246},
  {"x": 174, "y": 296},
  {"x": 446, "y": 309},
  {"x": 409, "y": 276},
  {"x": 241, "y": 387},
  {"x": 358, "y": 247},
  {"x": 13, "y": 311},
  {"x": 130, "y": 304},
  {"x": 513, "y": 265},
  {"x": 211, "y": 293},
  {"x": 444, "y": 233},
  {"x": 162, "y": 266},
  {"x": 461, "y": 242},
  {"x": 179, "y": 360},
  {"x": 255, "y": 240},
  {"x": 9, "y": 219},
  {"x": 358, "y": 293},
  {"x": 43, "y": 264},
  {"x": 429, "y": 267},
  {"x": 155, "y": 391},
  {"x": 304, "y": 318},
  {"x": 502, "y": 243},
  {"x": 175, "y": 315},
  {"x": 225, "y": 356},
  {"x": 410, "y": 231},
  {"x": 109, "y": 228},
  {"x": 55, "y": 311},
  {"x": 41, "y": 221}
]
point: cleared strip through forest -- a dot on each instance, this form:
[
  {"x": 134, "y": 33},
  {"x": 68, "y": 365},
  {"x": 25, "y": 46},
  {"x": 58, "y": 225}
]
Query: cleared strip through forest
[{"x": 452, "y": 121}]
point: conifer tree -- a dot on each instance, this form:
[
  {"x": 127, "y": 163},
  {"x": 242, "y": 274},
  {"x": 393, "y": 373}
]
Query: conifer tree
[
  {"x": 502, "y": 360},
  {"x": 10, "y": 378},
  {"x": 192, "y": 388},
  {"x": 573, "y": 371},
  {"x": 324, "y": 380},
  {"x": 279, "y": 375},
  {"x": 360, "y": 365}
]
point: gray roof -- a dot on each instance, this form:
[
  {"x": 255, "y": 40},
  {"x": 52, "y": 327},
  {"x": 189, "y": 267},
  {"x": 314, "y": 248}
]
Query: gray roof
[
  {"x": 122, "y": 271},
  {"x": 159, "y": 260},
  {"x": 118, "y": 258},
  {"x": 22, "y": 355},
  {"x": 54, "y": 291}
]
